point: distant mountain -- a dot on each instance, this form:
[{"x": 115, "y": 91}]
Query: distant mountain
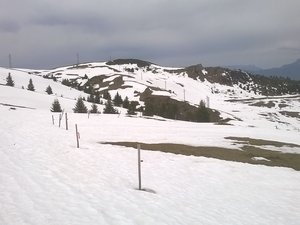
[
  {"x": 289, "y": 70},
  {"x": 247, "y": 68}
]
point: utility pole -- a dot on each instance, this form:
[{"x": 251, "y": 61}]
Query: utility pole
[
  {"x": 77, "y": 56},
  {"x": 9, "y": 61}
]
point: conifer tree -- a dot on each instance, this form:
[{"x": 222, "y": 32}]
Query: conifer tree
[
  {"x": 9, "y": 81},
  {"x": 118, "y": 100},
  {"x": 202, "y": 113},
  {"x": 126, "y": 103},
  {"x": 56, "y": 106},
  {"x": 109, "y": 108},
  {"x": 97, "y": 98},
  {"x": 106, "y": 95},
  {"x": 80, "y": 106},
  {"x": 94, "y": 108},
  {"x": 132, "y": 108},
  {"x": 149, "y": 108},
  {"x": 30, "y": 86},
  {"x": 91, "y": 98},
  {"x": 66, "y": 82},
  {"x": 49, "y": 90}
]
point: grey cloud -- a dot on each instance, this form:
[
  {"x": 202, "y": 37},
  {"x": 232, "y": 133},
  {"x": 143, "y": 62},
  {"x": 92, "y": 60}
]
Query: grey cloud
[
  {"x": 42, "y": 33},
  {"x": 9, "y": 26}
]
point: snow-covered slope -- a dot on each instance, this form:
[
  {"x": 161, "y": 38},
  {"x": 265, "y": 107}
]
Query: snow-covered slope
[
  {"x": 215, "y": 86},
  {"x": 46, "y": 179},
  {"x": 39, "y": 99}
]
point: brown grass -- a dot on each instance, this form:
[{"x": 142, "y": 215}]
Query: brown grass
[{"x": 245, "y": 155}]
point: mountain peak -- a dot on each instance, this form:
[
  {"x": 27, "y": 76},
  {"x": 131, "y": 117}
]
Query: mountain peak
[
  {"x": 297, "y": 61},
  {"x": 140, "y": 63}
]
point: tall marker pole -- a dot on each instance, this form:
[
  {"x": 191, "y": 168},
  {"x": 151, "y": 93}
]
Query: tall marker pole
[
  {"x": 77, "y": 135},
  {"x": 139, "y": 166},
  {"x": 66, "y": 121}
]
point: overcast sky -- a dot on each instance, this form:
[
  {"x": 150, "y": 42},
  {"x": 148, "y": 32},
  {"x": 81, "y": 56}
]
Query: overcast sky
[{"x": 49, "y": 33}]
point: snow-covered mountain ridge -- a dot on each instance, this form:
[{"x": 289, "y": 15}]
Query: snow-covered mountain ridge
[
  {"x": 233, "y": 93},
  {"x": 137, "y": 75}
]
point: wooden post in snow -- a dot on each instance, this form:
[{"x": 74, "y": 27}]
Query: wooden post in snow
[
  {"x": 66, "y": 121},
  {"x": 59, "y": 120},
  {"x": 183, "y": 94},
  {"x": 77, "y": 135},
  {"x": 52, "y": 119},
  {"x": 139, "y": 166}
]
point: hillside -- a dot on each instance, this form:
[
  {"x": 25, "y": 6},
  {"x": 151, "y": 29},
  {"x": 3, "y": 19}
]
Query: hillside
[
  {"x": 182, "y": 89},
  {"x": 242, "y": 169},
  {"x": 291, "y": 70}
]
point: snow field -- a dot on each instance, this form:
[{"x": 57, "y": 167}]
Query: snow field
[{"x": 45, "y": 179}]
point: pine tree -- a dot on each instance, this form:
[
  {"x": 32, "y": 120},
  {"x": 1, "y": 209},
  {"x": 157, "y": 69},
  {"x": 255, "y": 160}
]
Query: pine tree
[
  {"x": 94, "y": 108},
  {"x": 97, "y": 98},
  {"x": 91, "y": 98},
  {"x": 30, "y": 86},
  {"x": 132, "y": 108},
  {"x": 109, "y": 109},
  {"x": 106, "y": 95},
  {"x": 66, "y": 82},
  {"x": 118, "y": 100},
  {"x": 9, "y": 81},
  {"x": 80, "y": 106},
  {"x": 49, "y": 90},
  {"x": 149, "y": 108},
  {"x": 56, "y": 106},
  {"x": 202, "y": 113},
  {"x": 126, "y": 103}
]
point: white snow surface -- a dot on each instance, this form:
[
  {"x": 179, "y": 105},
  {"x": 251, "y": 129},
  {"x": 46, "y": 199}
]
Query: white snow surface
[{"x": 46, "y": 179}]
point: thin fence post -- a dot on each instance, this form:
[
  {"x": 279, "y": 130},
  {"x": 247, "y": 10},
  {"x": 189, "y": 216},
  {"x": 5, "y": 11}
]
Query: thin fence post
[
  {"x": 66, "y": 121},
  {"x": 77, "y": 136},
  {"x": 139, "y": 166},
  {"x": 52, "y": 119},
  {"x": 59, "y": 120}
]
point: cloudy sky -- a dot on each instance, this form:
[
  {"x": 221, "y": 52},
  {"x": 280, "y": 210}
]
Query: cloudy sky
[{"x": 49, "y": 33}]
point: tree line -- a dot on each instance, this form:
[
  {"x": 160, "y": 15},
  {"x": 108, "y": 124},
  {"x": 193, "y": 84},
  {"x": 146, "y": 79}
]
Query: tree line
[{"x": 109, "y": 108}]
